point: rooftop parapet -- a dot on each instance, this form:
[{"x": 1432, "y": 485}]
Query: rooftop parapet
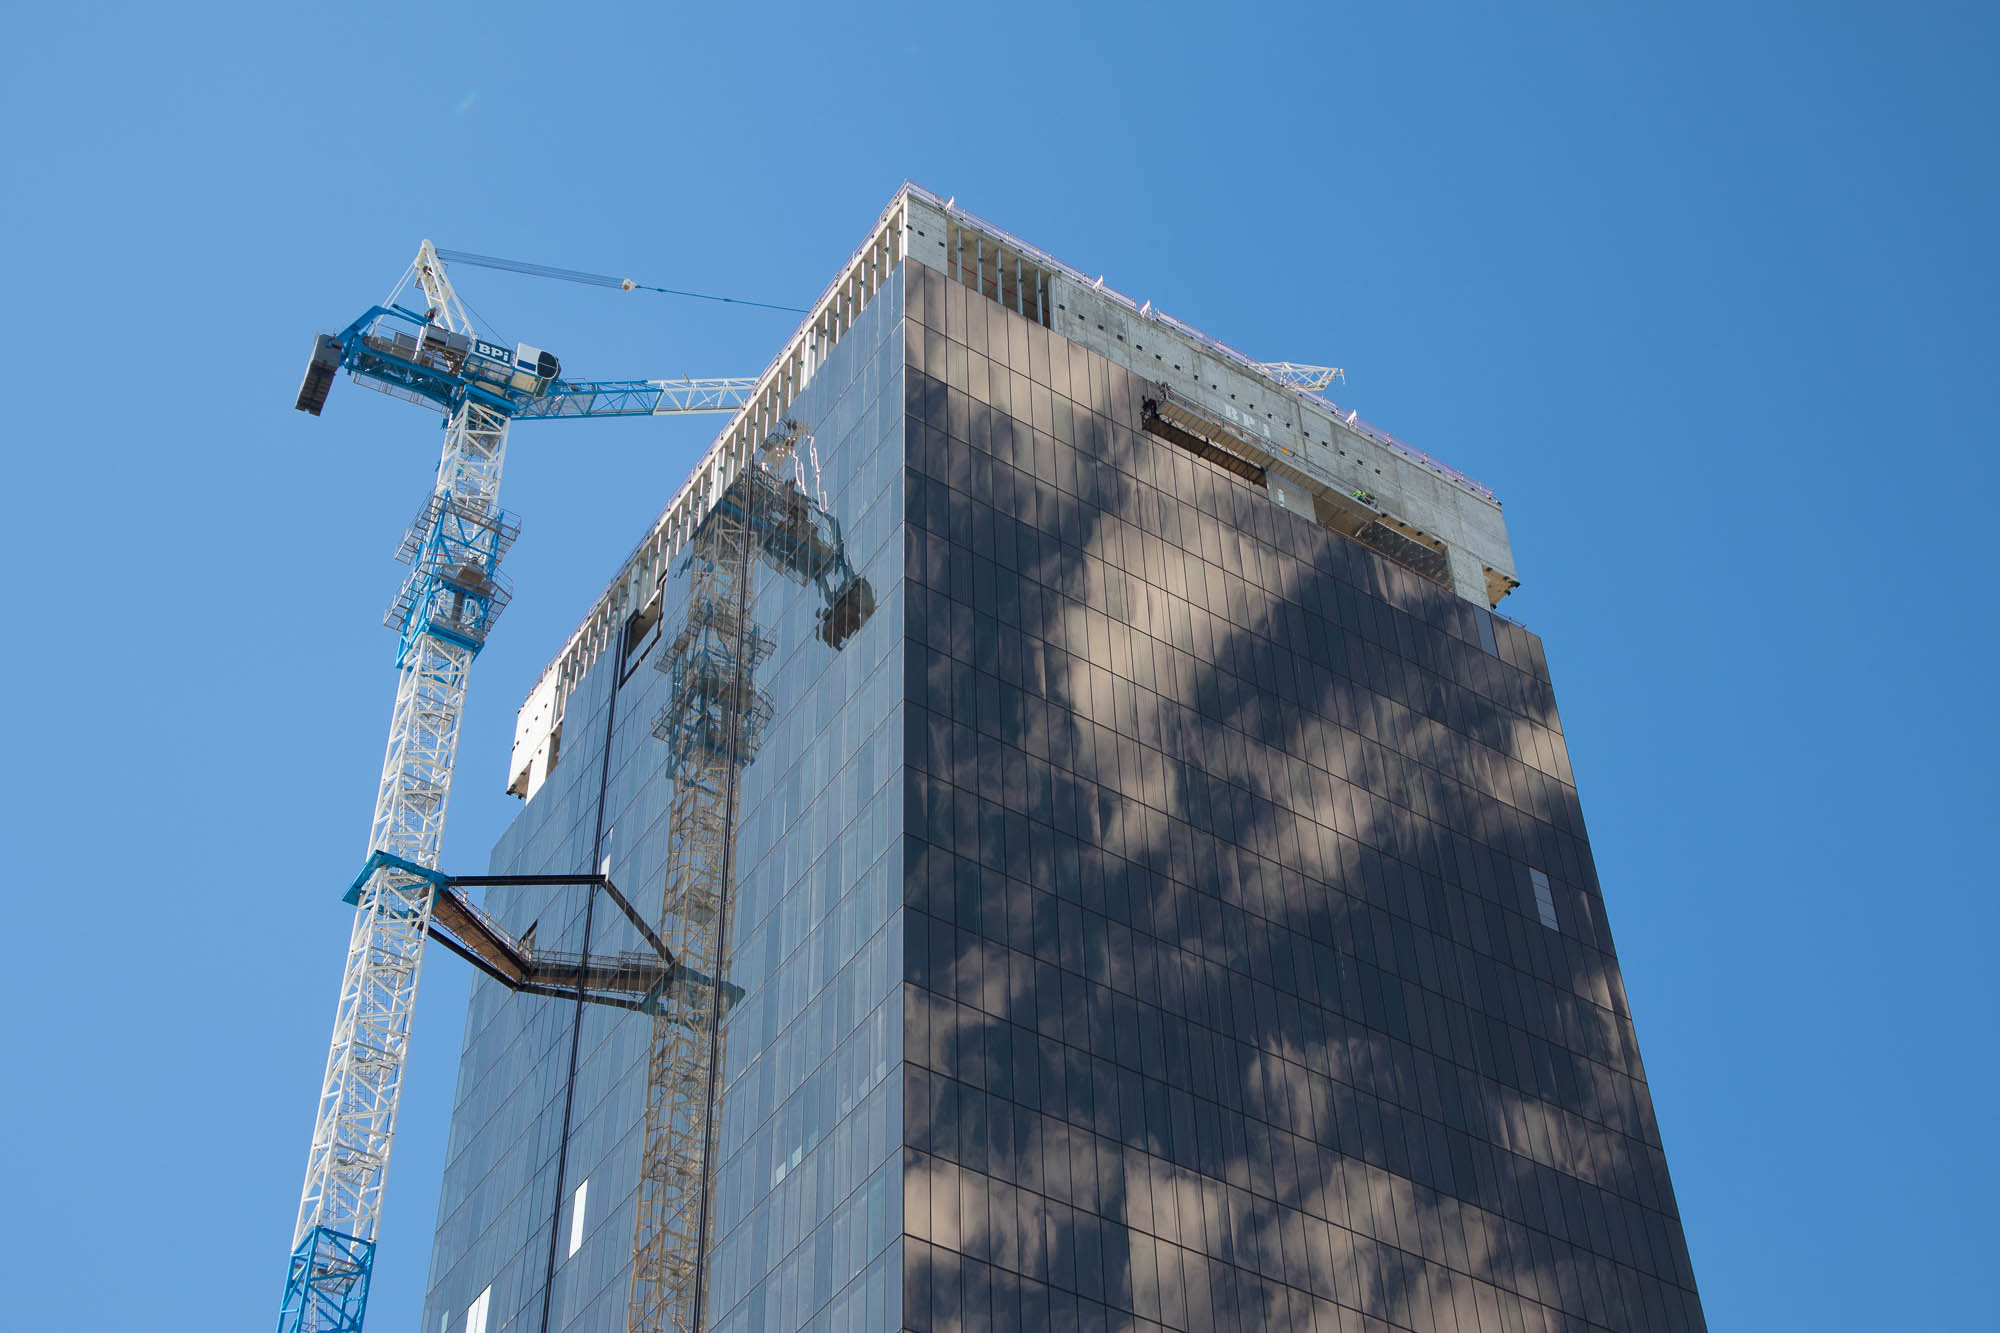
[{"x": 1319, "y": 459}]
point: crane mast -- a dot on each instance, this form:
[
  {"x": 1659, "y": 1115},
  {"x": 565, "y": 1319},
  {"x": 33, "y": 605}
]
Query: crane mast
[{"x": 448, "y": 604}]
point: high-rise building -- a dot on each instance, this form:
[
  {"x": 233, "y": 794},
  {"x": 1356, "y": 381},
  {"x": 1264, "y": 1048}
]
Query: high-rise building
[{"x": 1164, "y": 904}]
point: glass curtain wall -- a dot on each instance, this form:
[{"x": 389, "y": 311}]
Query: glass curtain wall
[
  {"x": 541, "y": 1180},
  {"x": 1232, "y": 1003},
  {"x": 1163, "y": 913}
]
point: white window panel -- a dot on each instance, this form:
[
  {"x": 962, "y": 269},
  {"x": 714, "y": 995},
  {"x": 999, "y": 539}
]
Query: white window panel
[
  {"x": 576, "y": 1206},
  {"x": 1545, "y": 900},
  {"x": 475, "y": 1313}
]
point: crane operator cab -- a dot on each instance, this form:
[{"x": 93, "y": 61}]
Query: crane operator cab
[
  {"x": 524, "y": 370},
  {"x": 527, "y": 371},
  {"x": 432, "y": 364}
]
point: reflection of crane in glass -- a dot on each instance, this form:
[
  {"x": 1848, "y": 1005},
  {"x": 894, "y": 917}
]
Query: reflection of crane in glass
[
  {"x": 712, "y": 724},
  {"x": 447, "y": 606}
]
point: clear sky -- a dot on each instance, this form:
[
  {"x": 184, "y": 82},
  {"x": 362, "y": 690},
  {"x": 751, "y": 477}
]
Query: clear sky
[{"x": 1705, "y": 291}]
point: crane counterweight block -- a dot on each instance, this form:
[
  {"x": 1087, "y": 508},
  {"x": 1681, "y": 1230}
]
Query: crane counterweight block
[{"x": 325, "y": 364}]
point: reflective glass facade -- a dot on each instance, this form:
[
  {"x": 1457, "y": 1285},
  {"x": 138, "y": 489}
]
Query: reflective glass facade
[
  {"x": 1231, "y": 1006},
  {"x": 551, "y": 1092},
  {"x": 1165, "y": 913}
]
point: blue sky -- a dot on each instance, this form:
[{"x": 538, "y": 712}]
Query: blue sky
[{"x": 1704, "y": 291}]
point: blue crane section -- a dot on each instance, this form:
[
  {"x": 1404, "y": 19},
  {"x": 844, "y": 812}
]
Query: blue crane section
[{"x": 408, "y": 355}]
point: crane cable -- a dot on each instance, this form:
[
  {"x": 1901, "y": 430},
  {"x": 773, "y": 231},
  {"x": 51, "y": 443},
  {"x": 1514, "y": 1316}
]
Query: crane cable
[{"x": 598, "y": 279}]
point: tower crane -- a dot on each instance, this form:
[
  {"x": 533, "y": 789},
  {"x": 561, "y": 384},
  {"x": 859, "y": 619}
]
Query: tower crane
[
  {"x": 712, "y": 723},
  {"x": 447, "y": 606}
]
